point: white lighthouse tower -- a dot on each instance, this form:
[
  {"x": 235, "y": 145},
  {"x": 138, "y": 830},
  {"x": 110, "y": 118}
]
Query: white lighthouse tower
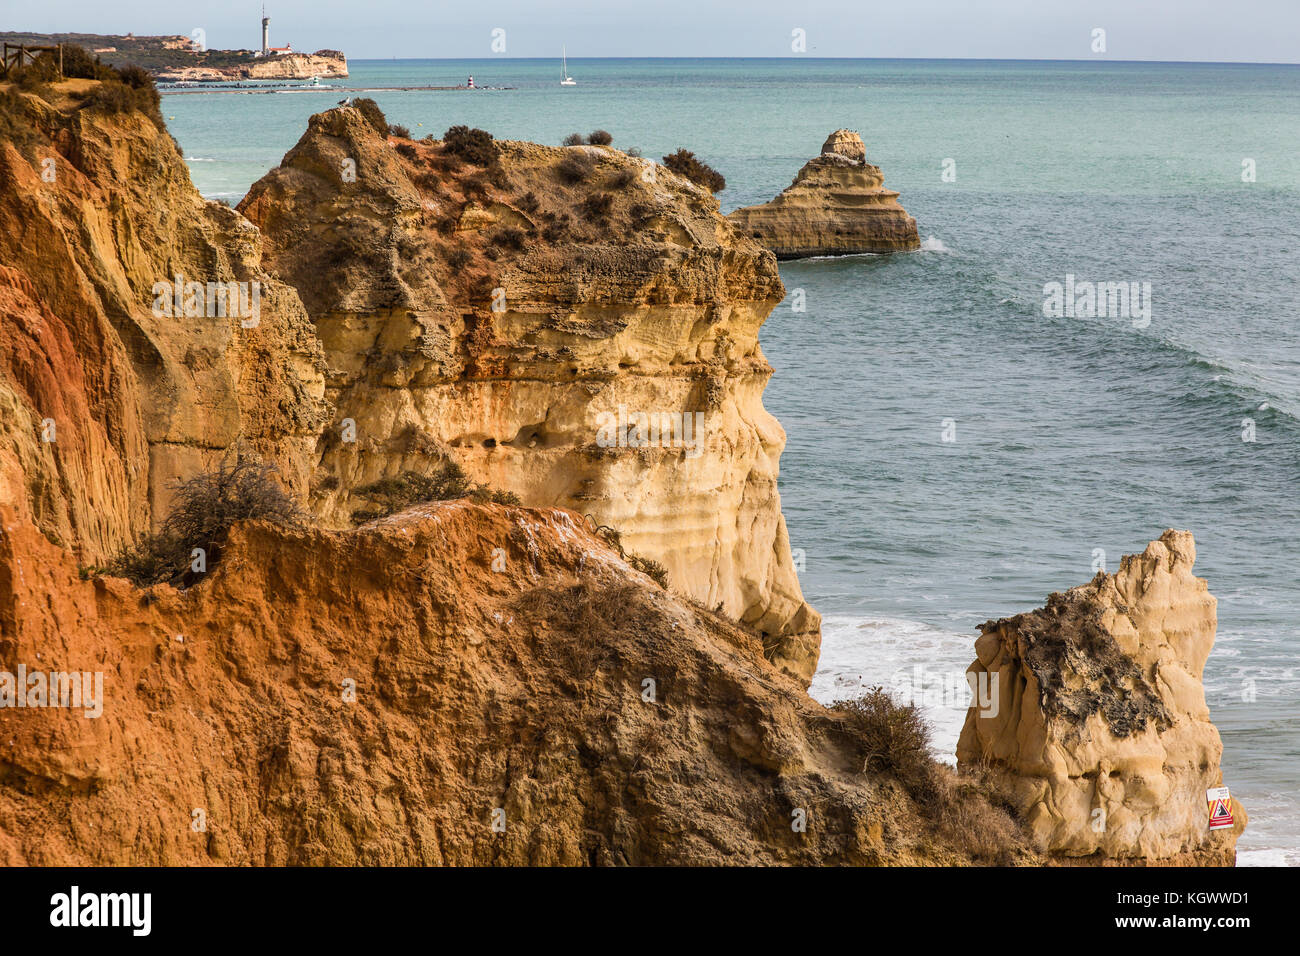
[{"x": 266, "y": 32}]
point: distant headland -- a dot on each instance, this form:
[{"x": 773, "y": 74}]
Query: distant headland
[{"x": 183, "y": 58}]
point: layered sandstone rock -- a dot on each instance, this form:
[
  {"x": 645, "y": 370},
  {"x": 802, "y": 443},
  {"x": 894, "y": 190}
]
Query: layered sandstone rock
[
  {"x": 837, "y": 205},
  {"x": 1101, "y": 731},
  {"x": 386, "y": 696},
  {"x": 555, "y": 322},
  {"x": 286, "y": 66},
  {"x": 105, "y": 401}
]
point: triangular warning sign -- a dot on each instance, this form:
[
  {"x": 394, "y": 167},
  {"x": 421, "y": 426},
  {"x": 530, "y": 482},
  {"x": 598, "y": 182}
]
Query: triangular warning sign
[{"x": 1220, "y": 814}]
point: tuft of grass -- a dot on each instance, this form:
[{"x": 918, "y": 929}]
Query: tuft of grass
[{"x": 206, "y": 508}]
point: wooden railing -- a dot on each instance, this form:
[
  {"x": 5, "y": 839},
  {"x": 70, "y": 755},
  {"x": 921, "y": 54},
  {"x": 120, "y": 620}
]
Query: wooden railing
[{"x": 18, "y": 55}]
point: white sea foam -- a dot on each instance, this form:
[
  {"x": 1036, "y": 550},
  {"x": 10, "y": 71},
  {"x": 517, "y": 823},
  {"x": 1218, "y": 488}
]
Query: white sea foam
[{"x": 933, "y": 244}]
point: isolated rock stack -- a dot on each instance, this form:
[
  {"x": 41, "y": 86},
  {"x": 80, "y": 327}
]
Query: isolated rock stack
[
  {"x": 1101, "y": 731},
  {"x": 837, "y": 205}
]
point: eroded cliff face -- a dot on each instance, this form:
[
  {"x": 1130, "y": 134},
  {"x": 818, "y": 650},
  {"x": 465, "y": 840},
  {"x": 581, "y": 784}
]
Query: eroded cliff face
[
  {"x": 402, "y": 695},
  {"x": 837, "y": 205},
  {"x": 105, "y": 401},
  {"x": 1102, "y": 733},
  {"x": 287, "y": 66},
  {"x": 463, "y": 683},
  {"x": 527, "y": 318}
]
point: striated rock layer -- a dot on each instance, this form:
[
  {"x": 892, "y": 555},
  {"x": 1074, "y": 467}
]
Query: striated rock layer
[
  {"x": 837, "y": 205},
  {"x": 1101, "y": 731},
  {"x": 283, "y": 66},
  {"x": 103, "y": 400},
  {"x": 402, "y": 695},
  {"x": 573, "y": 325}
]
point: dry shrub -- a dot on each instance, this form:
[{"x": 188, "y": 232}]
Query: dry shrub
[
  {"x": 573, "y": 139},
  {"x": 596, "y": 207},
  {"x": 974, "y": 817},
  {"x": 459, "y": 257},
  {"x": 576, "y": 168},
  {"x": 474, "y": 146},
  {"x": 508, "y": 237},
  {"x": 126, "y": 90},
  {"x": 685, "y": 163},
  {"x": 580, "y": 619},
  {"x": 446, "y": 483},
  {"x": 600, "y": 138},
  {"x": 205, "y": 509},
  {"x": 892, "y": 738},
  {"x": 614, "y": 538},
  {"x": 967, "y": 810}
]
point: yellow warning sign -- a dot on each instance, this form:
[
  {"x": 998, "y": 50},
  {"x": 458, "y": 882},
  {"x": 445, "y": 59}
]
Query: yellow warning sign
[{"x": 1220, "y": 801}]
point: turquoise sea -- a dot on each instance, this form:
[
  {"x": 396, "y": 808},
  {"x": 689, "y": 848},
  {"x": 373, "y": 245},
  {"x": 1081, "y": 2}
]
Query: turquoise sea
[{"x": 1073, "y": 436}]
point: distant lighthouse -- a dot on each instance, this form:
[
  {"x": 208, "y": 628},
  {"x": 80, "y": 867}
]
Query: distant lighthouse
[{"x": 266, "y": 32}]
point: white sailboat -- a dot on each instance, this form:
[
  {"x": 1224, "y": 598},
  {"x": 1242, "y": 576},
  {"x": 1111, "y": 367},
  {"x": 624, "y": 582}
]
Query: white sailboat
[{"x": 566, "y": 80}]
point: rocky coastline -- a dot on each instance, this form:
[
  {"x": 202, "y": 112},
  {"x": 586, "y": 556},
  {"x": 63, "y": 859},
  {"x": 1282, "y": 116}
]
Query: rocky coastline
[{"x": 593, "y": 649}]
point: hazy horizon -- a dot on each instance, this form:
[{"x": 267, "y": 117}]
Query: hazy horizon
[{"x": 1178, "y": 31}]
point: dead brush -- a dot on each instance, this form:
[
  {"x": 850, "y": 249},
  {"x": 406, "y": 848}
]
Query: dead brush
[
  {"x": 614, "y": 538},
  {"x": 206, "y": 507}
]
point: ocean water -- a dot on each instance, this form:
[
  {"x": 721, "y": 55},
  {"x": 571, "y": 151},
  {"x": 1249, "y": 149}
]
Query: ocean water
[{"x": 1074, "y": 439}]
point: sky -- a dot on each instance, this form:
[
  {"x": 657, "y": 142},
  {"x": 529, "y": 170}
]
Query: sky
[{"x": 1199, "y": 30}]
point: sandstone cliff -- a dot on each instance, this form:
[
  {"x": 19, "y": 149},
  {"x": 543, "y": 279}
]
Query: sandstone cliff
[
  {"x": 384, "y": 696},
  {"x": 837, "y": 205},
  {"x": 287, "y": 66},
  {"x": 105, "y": 400},
  {"x": 539, "y": 318},
  {"x": 469, "y": 683},
  {"x": 1102, "y": 733}
]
